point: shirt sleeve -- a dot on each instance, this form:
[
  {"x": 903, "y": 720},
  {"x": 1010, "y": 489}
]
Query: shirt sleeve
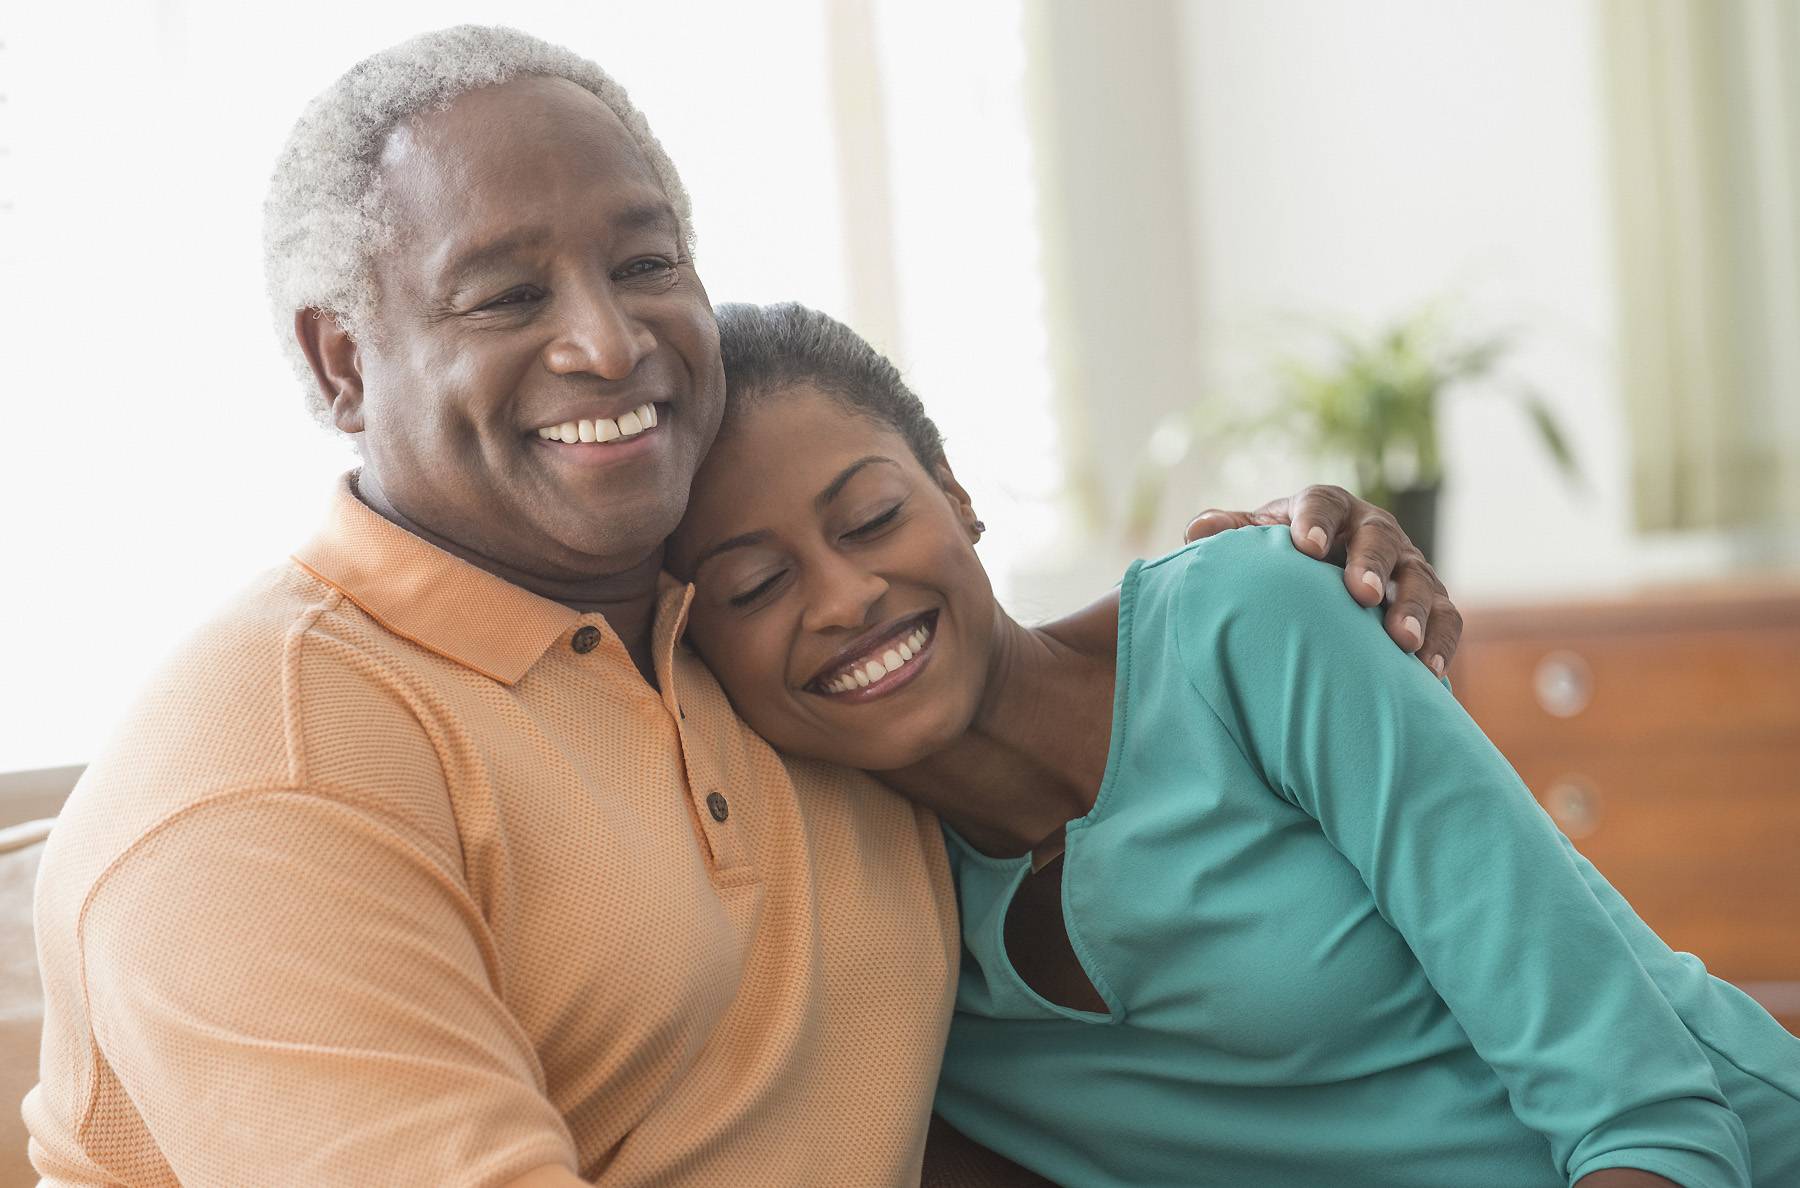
[
  {"x": 292, "y": 991},
  {"x": 1458, "y": 857}
]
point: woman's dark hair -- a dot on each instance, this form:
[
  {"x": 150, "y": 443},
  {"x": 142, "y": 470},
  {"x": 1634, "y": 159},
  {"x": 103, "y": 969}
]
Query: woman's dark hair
[{"x": 770, "y": 347}]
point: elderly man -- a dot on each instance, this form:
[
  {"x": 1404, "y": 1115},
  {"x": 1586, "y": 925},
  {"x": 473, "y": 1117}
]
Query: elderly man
[{"x": 436, "y": 859}]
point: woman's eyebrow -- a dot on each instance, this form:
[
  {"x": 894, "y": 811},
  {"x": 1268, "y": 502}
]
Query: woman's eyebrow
[
  {"x": 742, "y": 541},
  {"x": 836, "y": 486},
  {"x": 832, "y": 490}
]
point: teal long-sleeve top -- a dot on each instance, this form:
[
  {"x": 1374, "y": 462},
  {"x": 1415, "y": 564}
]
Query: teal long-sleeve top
[{"x": 1339, "y": 942}]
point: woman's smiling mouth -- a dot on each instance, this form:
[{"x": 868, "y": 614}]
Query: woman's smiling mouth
[{"x": 877, "y": 666}]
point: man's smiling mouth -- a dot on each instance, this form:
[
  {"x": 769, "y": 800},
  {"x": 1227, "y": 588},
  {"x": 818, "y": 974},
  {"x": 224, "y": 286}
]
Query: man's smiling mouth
[
  {"x": 602, "y": 429},
  {"x": 878, "y": 663}
]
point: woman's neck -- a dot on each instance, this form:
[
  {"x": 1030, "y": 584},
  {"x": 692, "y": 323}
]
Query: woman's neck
[{"x": 1035, "y": 753}]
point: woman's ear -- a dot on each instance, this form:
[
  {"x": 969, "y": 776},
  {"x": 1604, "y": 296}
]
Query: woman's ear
[{"x": 959, "y": 500}]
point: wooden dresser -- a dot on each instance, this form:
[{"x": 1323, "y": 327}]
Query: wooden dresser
[{"x": 1662, "y": 733}]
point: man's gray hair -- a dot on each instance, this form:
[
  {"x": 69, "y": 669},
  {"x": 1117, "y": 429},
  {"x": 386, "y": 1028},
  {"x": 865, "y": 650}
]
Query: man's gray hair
[{"x": 325, "y": 217}]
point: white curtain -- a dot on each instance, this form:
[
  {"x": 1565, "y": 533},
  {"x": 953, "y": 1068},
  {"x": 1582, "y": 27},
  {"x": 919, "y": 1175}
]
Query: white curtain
[{"x": 1705, "y": 103}]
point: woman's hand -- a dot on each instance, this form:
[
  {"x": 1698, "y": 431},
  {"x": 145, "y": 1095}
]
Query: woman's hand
[{"x": 1380, "y": 563}]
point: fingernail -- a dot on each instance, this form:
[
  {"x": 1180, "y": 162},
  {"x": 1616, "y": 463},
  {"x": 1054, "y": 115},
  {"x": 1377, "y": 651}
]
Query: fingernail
[
  {"x": 1413, "y": 629},
  {"x": 1437, "y": 665},
  {"x": 1372, "y": 582},
  {"x": 1317, "y": 535},
  {"x": 1211, "y": 515}
]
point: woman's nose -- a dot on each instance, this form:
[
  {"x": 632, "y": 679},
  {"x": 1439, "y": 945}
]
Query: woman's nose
[
  {"x": 842, "y": 595},
  {"x": 598, "y": 336}
]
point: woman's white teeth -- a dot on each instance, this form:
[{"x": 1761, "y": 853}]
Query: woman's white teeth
[
  {"x": 869, "y": 672},
  {"x": 602, "y": 429}
]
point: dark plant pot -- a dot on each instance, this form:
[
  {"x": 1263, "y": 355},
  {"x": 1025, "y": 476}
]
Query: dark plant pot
[{"x": 1416, "y": 508}]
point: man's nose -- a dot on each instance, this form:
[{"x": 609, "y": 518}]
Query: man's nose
[
  {"x": 841, "y": 595},
  {"x": 598, "y": 336}
]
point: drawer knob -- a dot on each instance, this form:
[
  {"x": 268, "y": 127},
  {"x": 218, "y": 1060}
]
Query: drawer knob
[
  {"x": 1574, "y": 805},
  {"x": 1564, "y": 684}
]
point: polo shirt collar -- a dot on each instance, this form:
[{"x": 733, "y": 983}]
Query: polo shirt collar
[{"x": 443, "y": 603}]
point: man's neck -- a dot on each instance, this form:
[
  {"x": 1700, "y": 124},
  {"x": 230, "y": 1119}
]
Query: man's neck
[{"x": 627, "y": 598}]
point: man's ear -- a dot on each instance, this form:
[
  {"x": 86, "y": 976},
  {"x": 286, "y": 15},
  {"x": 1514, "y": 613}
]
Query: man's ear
[
  {"x": 336, "y": 365},
  {"x": 959, "y": 499}
]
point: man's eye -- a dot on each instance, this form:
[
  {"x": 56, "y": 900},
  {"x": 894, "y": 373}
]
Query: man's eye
[
  {"x": 763, "y": 587},
  {"x": 523, "y": 295},
  {"x": 647, "y": 267},
  {"x": 871, "y": 527}
]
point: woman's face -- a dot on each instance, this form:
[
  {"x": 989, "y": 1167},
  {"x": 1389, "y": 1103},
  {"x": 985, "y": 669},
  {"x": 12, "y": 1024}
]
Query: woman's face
[{"x": 839, "y": 599}]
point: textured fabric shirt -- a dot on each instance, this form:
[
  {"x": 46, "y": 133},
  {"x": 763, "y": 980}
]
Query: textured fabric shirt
[
  {"x": 1338, "y": 941},
  {"x": 400, "y": 874}
]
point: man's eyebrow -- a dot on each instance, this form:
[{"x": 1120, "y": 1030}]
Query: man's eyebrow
[
  {"x": 492, "y": 253},
  {"x": 639, "y": 216},
  {"x": 834, "y": 488}
]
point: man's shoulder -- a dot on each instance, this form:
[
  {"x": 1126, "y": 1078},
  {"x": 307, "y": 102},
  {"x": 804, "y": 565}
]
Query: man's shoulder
[
  {"x": 285, "y": 674},
  {"x": 235, "y": 683}
]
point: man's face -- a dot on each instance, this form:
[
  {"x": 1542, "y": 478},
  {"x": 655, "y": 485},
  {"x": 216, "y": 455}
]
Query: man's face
[{"x": 537, "y": 280}]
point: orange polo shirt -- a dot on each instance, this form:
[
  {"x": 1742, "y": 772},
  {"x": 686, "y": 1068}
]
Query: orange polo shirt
[{"x": 400, "y": 874}]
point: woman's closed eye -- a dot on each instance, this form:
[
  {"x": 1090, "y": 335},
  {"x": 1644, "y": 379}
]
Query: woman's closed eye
[
  {"x": 757, "y": 591},
  {"x": 870, "y": 527}
]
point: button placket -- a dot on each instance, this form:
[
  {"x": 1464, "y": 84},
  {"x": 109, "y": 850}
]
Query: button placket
[{"x": 714, "y": 812}]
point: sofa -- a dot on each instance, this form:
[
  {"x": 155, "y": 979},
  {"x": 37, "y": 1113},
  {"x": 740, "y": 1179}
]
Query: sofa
[{"x": 28, "y": 805}]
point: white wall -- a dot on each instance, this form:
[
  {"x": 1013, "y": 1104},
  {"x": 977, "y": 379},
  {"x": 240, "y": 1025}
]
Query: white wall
[
  {"x": 1357, "y": 159},
  {"x": 157, "y": 452}
]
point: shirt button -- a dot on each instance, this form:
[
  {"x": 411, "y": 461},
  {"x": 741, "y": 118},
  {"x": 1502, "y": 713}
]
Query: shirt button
[
  {"x": 716, "y": 805},
  {"x": 585, "y": 639}
]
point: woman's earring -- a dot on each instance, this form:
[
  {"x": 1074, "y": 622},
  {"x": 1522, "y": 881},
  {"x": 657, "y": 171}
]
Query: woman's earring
[{"x": 979, "y": 528}]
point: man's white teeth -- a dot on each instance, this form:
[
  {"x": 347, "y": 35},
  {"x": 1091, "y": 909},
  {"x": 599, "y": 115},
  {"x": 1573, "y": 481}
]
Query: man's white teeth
[
  {"x": 869, "y": 672},
  {"x": 602, "y": 429}
]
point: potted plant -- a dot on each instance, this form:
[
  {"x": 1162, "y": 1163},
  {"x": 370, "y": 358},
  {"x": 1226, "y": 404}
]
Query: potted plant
[{"x": 1368, "y": 403}]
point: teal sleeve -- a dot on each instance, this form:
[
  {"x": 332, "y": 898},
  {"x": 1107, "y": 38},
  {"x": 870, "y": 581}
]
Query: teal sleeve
[{"x": 1458, "y": 857}]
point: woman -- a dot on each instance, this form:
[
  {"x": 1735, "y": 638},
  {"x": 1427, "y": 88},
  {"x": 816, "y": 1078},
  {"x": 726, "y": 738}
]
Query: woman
[{"x": 1247, "y": 899}]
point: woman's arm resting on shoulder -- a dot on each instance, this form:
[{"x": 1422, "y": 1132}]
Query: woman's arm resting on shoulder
[
  {"x": 1459, "y": 859},
  {"x": 1379, "y": 561}
]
